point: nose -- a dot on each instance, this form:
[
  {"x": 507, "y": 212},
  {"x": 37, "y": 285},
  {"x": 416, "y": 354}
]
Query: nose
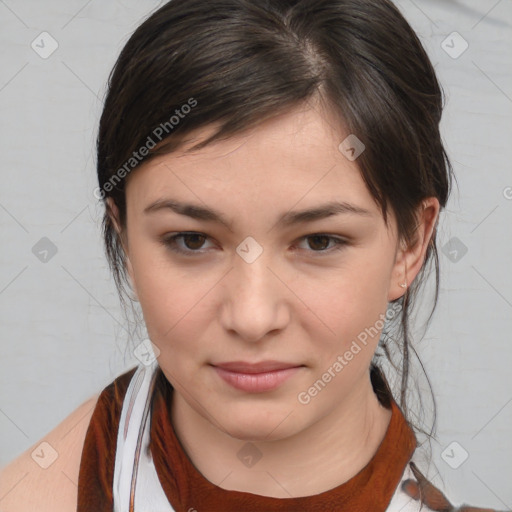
[{"x": 256, "y": 300}]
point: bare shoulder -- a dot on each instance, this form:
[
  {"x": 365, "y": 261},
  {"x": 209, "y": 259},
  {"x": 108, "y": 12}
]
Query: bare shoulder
[{"x": 45, "y": 477}]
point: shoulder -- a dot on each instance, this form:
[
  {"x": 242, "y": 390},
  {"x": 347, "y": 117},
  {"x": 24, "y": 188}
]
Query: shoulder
[
  {"x": 45, "y": 476},
  {"x": 48, "y": 469}
]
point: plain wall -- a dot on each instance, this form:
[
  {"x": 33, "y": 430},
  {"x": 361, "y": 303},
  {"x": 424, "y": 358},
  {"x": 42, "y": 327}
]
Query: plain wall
[{"x": 63, "y": 333}]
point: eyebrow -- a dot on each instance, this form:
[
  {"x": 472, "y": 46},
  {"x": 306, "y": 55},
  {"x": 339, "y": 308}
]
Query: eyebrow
[{"x": 287, "y": 219}]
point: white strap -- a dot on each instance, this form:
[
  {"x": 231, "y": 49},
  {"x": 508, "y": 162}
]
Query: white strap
[{"x": 134, "y": 471}]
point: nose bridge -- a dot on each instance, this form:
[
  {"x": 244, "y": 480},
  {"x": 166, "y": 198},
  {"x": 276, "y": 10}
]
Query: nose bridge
[
  {"x": 254, "y": 303},
  {"x": 253, "y": 278}
]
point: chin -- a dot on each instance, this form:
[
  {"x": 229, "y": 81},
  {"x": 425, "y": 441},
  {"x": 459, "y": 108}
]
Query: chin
[
  {"x": 253, "y": 434},
  {"x": 256, "y": 427}
]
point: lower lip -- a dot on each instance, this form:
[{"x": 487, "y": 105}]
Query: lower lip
[{"x": 256, "y": 382}]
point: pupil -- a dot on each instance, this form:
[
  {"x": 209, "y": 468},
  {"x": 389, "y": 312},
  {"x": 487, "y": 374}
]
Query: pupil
[
  {"x": 322, "y": 237},
  {"x": 187, "y": 237}
]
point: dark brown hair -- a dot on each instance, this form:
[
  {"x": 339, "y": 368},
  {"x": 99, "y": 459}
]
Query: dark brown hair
[{"x": 236, "y": 63}]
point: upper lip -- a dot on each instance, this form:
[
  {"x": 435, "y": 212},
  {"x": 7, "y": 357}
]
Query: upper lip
[{"x": 262, "y": 366}]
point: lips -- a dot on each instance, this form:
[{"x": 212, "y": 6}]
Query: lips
[
  {"x": 258, "y": 377},
  {"x": 254, "y": 368}
]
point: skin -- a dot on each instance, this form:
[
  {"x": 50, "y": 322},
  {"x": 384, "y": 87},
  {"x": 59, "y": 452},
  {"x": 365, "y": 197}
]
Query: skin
[
  {"x": 300, "y": 301},
  {"x": 25, "y": 486}
]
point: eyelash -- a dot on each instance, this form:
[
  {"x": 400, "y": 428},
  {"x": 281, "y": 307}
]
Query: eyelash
[{"x": 170, "y": 243}]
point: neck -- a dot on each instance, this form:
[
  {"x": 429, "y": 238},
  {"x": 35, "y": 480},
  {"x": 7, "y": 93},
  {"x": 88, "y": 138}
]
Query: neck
[{"x": 321, "y": 457}]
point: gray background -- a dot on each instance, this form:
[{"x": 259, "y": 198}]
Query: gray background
[{"x": 63, "y": 333}]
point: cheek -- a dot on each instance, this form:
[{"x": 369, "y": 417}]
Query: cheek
[
  {"x": 348, "y": 306},
  {"x": 173, "y": 299},
  {"x": 173, "y": 313},
  {"x": 168, "y": 302}
]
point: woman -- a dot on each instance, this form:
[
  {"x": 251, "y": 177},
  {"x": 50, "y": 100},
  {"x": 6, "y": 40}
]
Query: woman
[{"x": 273, "y": 175}]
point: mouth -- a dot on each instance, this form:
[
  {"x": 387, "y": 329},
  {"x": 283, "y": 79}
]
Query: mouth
[
  {"x": 256, "y": 377},
  {"x": 253, "y": 368}
]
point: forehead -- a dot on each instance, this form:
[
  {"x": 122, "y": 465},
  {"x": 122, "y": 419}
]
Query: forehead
[{"x": 292, "y": 159}]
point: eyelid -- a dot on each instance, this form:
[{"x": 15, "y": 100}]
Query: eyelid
[{"x": 169, "y": 241}]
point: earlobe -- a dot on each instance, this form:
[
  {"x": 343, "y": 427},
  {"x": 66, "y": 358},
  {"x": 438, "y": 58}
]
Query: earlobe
[
  {"x": 399, "y": 281},
  {"x": 410, "y": 259}
]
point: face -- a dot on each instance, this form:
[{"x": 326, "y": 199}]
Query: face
[{"x": 264, "y": 283}]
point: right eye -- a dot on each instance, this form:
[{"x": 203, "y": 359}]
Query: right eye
[{"x": 191, "y": 239}]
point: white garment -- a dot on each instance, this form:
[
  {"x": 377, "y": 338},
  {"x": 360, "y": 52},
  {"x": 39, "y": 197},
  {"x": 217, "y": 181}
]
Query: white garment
[
  {"x": 131, "y": 473},
  {"x": 138, "y": 473}
]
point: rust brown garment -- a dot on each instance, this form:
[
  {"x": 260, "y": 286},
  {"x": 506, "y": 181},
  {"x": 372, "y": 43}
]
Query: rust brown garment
[{"x": 186, "y": 488}]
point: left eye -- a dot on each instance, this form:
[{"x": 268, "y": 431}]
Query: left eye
[
  {"x": 323, "y": 240},
  {"x": 193, "y": 241}
]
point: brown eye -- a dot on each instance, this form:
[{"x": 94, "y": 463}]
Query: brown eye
[
  {"x": 191, "y": 245},
  {"x": 193, "y": 241},
  {"x": 320, "y": 242}
]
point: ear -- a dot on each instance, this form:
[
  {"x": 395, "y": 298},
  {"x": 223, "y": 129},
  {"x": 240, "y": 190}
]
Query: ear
[
  {"x": 410, "y": 259},
  {"x": 113, "y": 213}
]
